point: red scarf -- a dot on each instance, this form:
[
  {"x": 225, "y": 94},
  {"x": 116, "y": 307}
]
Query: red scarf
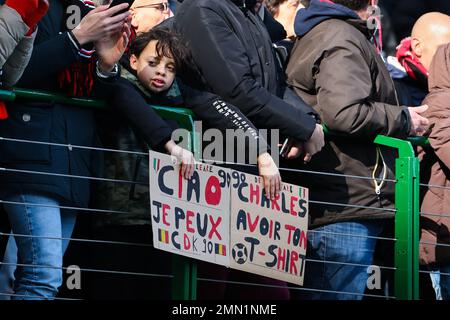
[
  {"x": 3, "y": 112},
  {"x": 77, "y": 80},
  {"x": 133, "y": 36}
]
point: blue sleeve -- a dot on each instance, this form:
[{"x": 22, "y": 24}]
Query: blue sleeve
[{"x": 48, "y": 59}]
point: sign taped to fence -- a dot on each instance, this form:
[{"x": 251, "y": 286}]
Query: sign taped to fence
[
  {"x": 268, "y": 237},
  {"x": 190, "y": 217}
]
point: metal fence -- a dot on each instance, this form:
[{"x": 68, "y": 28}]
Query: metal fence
[{"x": 184, "y": 271}]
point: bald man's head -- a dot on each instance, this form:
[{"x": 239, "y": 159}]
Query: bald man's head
[{"x": 429, "y": 32}]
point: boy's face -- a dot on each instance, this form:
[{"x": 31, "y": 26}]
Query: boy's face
[
  {"x": 155, "y": 73},
  {"x": 146, "y": 14}
]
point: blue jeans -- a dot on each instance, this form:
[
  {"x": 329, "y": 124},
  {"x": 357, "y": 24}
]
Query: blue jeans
[
  {"x": 445, "y": 282},
  {"x": 440, "y": 279},
  {"x": 7, "y": 269},
  {"x": 325, "y": 245},
  {"x": 42, "y": 254}
]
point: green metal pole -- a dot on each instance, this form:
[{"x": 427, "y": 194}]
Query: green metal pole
[
  {"x": 406, "y": 219},
  {"x": 7, "y": 95},
  {"x": 416, "y": 228},
  {"x": 184, "y": 281},
  {"x": 193, "y": 278},
  {"x": 419, "y": 141}
]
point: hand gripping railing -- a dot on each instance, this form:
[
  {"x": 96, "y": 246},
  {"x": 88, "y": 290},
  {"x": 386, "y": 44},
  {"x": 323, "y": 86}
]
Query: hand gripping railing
[
  {"x": 184, "y": 271},
  {"x": 406, "y": 218}
]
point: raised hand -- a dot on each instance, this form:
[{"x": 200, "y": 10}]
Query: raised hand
[
  {"x": 110, "y": 49},
  {"x": 102, "y": 22}
]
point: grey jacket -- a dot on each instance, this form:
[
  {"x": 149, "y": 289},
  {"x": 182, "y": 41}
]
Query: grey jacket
[{"x": 15, "y": 47}]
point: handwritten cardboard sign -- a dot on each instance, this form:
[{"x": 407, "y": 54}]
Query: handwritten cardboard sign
[
  {"x": 190, "y": 217},
  {"x": 268, "y": 237},
  {"x": 222, "y": 216}
]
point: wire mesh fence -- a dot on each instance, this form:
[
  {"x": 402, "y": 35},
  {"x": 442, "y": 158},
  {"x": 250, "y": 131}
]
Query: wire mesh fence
[
  {"x": 145, "y": 246},
  {"x": 183, "y": 277}
]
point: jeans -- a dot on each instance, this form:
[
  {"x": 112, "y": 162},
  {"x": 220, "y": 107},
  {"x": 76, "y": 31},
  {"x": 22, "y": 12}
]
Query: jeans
[
  {"x": 445, "y": 282},
  {"x": 39, "y": 271},
  {"x": 7, "y": 270},
  {"x": 326, "y": 246},
  {"x": 440, "y": 279}
]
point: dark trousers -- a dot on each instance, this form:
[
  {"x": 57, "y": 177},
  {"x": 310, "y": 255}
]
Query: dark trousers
[
  {"x": 136, "y": 259},
  {"x": 218, "y": 283}
]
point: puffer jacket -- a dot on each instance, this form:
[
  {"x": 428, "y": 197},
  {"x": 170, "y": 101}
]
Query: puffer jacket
[
  {"x": 335, "y": 68},
  {"x": 435, "y": 165}
]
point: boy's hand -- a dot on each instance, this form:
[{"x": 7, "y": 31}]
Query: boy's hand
[
  {"x": 183, "y": 157},
  {"x": 268, "y": 170}
]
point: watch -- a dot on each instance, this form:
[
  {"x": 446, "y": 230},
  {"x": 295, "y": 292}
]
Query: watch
[{"x": 107, "y": 74}]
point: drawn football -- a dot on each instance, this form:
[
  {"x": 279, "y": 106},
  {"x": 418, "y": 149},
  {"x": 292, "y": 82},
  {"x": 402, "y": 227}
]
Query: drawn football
[{"x": 239, "y": 253}]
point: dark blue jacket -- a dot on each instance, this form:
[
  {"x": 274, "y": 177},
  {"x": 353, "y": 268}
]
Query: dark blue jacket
[
  {"x": 318, "y": 12},
  {"x": 410, "y": 92},
  {"x": 55, "y": 123}
]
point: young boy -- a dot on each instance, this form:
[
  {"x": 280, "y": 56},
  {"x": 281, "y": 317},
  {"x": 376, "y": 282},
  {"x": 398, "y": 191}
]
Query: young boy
[
  {"x": 156, "y": 58},
  {"x": 155, "y": 67}
]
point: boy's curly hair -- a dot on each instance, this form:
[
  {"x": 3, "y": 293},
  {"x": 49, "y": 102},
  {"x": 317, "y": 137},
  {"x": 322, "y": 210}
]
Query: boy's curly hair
[{"x": 169, "y": 45}]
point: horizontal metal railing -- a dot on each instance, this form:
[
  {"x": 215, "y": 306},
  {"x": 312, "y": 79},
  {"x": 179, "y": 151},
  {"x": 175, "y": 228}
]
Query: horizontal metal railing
[{"x": 184, "y": 271}]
